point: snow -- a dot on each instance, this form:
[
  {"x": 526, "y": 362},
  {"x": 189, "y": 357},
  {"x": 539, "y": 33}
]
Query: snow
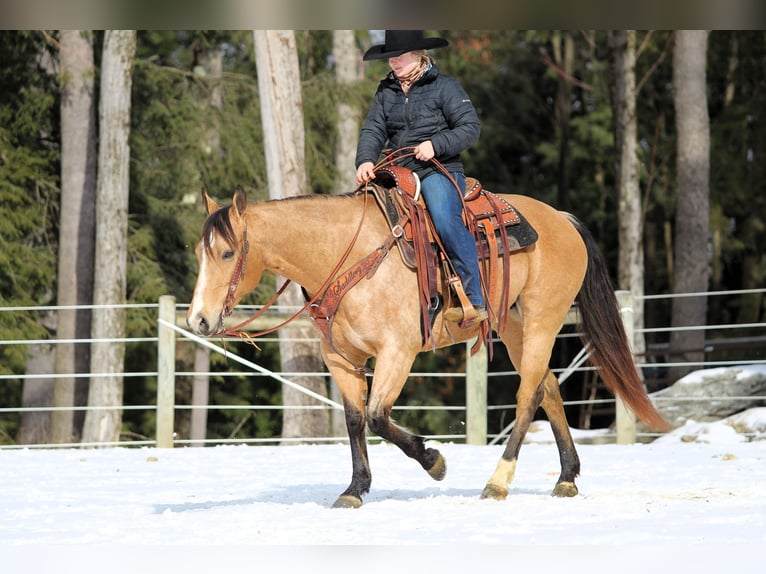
[
  {"x": 742, "y": 372},
  {"x": 698, "y": 494}
]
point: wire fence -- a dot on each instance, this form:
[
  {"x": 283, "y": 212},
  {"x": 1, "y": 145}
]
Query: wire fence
[{"x": 749, "y": 339}]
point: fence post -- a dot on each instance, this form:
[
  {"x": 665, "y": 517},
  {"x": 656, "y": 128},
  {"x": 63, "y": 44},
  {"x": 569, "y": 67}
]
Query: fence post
[
  {"x": 476, "y": 367},
  {"x": 625, "y": 419},
  {"x": 166, "y": 376}
]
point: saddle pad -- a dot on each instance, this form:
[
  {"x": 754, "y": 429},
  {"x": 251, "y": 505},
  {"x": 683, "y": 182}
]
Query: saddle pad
[{"x": 487, "y": 208}]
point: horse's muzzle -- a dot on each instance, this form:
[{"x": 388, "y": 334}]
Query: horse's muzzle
[{"x": 201, "y": 326}]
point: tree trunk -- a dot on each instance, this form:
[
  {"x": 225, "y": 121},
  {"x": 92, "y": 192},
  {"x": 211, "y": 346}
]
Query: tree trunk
[
  {"x": 209, "y": 63},
  {"x": 76, "y": 234},
  {"x": 630, "y": 238},
  {"x": 35, "y": 426},
  {"x": 692, "y": 218},
  {"x": 563, "y": 49},
  {"x": 107, "y": 358},
  {"x": 348, "y": 71},
  {"x": 279, "y": 87}
]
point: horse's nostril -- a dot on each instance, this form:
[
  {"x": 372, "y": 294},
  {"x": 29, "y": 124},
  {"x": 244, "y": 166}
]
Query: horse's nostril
[{"x": 202, "y": 327}]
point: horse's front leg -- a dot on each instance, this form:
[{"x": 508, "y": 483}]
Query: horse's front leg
[
  {"x": 390, "y": 375},
  {"x": 353, "y": 389}
]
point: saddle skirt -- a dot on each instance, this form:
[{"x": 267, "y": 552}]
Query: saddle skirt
[{"x": 500, "y": 228}]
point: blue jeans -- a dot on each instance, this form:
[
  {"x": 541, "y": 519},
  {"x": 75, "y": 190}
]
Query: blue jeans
[{"x": 446, "y": 210}]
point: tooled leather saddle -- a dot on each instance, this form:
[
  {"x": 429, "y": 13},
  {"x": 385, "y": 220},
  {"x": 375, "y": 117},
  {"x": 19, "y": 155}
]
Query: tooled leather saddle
[
  {"x": 488, "y": 212},
  {"x": 498, "y": 227}
]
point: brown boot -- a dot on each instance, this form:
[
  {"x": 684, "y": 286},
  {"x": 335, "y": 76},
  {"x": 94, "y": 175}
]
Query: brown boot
[{"x": 455, "y": 314}]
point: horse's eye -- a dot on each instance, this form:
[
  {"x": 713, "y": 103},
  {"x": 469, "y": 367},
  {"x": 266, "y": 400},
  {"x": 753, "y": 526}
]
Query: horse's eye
[{"x": 227, "y": 255}]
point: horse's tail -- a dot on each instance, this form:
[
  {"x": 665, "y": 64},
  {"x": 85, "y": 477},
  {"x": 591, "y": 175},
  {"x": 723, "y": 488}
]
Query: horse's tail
[{"x": 603, "y": 330}]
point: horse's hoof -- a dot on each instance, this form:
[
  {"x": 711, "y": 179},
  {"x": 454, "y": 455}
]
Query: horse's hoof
[
  {"x": 565, "y": 490},
  {"x": 494, "y": 492},
  {"x": 347, "y": 501},
  {"x": 439, "y": 469}
]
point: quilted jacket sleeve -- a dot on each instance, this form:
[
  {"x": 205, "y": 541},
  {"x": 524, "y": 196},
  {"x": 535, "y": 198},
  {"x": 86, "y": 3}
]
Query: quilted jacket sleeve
[
  {"x": 373, "y": 135},
  {"x": 462, "y": 120}
]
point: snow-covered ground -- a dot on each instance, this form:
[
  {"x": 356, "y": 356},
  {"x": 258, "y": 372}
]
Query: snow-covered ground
[{"x": 699, "y": 489}]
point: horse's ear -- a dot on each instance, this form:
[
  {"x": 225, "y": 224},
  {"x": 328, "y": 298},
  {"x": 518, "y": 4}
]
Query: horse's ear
[
  {"x": 210, "y": 204},
  {"x": 240, "y": 200}
]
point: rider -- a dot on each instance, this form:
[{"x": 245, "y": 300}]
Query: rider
[{"x": 417, "y": 106}]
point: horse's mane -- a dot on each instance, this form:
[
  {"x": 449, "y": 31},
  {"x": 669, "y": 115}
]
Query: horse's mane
[
  {"x": 315, "y": 197},
  {"x": 219, "y": 221}
]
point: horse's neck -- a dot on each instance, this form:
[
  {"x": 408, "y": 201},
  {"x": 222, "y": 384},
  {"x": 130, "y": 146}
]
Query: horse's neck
[{"x": 303, "y": 238}]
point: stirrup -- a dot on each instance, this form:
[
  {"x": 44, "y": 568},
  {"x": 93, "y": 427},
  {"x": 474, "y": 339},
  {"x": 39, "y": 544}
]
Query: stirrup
[{"x": 469, "y": 315}]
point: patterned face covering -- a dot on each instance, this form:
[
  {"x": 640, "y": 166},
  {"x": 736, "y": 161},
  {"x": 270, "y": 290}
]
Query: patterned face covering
[{"x": 407, "y": 80}]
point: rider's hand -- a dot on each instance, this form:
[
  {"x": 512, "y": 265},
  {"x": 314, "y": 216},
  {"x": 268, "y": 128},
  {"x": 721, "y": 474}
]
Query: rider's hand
[
  {"x": 424, "y": 151},
  {"x": 365, "y": 172}
]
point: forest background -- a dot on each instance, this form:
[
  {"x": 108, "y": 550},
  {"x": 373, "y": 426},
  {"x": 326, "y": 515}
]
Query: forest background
[{"x": 547, "y": 102}]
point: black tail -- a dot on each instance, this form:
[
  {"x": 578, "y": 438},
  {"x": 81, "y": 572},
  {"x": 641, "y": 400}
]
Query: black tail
[{"x": 602, "y": 327}]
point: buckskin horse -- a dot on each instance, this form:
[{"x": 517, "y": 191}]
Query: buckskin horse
[{"x": 304, "y": 239}]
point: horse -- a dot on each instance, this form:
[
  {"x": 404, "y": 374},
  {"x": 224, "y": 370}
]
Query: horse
[{"x": 302, "y": 238}]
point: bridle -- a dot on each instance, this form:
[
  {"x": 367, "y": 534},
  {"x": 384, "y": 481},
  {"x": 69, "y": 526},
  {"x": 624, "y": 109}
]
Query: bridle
[{"x": 239, "y": 272}]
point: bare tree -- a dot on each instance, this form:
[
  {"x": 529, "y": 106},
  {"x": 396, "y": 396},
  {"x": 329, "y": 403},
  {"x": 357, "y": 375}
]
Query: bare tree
[
  {"x": 279, "y": 87},
  {"x": 208, "y": 63},
  {"x": 692, "y": 218},
  {"x": 348, "y": 71},
  {"x": 104, "y": 419},
  {"x": 622, "y": 44},
  {"x": 35, "y": 426},
  {"x": 76, "y": 228},
  {"x": 563, "y": 53}
]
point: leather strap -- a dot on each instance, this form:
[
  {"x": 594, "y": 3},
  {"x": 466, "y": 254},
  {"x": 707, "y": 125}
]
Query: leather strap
[
  {"x": 239, "y": 271},
  {"x": 323, "y": 312}
]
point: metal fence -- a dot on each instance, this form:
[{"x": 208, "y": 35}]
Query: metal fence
[{"x": 477, "y": 375}]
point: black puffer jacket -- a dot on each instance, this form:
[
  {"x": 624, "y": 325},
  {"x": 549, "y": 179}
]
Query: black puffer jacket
[{"x": 436, "y": 107}]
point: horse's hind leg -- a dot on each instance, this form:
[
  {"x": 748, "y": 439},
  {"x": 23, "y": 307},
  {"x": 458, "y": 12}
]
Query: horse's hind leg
[
  {"x": 531, "y": 356},
  {"x": 570, "y": 462},
  {"x": 390, "y": 375}
]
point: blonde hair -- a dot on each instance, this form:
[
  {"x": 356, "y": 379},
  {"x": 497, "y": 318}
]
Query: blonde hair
[{"x": 424, "y": 56}]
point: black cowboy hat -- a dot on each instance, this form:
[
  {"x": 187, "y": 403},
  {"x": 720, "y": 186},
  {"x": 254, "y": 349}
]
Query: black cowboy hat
[{"x": 400, "y": 41}]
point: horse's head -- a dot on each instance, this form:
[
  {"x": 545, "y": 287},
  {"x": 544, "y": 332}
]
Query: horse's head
[{"x": 226, "y": 270}]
